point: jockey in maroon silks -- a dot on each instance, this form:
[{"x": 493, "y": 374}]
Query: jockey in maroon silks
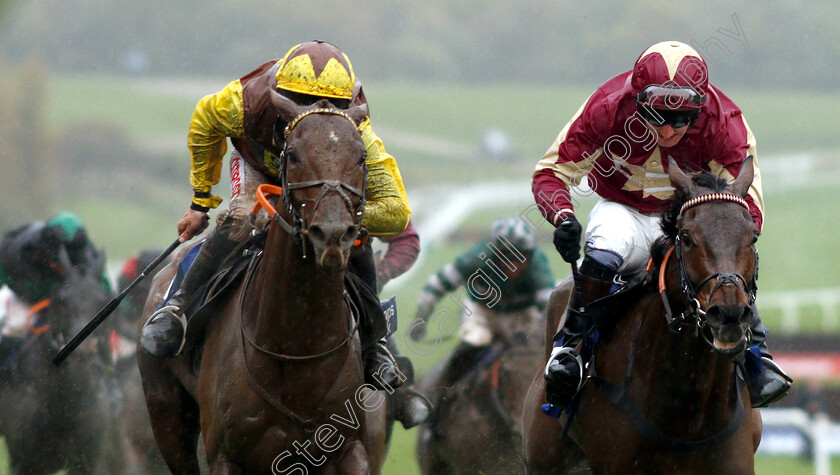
[{"x": 621, "y": 139}]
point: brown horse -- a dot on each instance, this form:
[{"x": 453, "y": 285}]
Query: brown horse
[
  {"x": 479, "y": 430},
  {"x": 663, "y": 393},
  {"x": 278, "y": 384},
  {"x": 55, "y": 418}
]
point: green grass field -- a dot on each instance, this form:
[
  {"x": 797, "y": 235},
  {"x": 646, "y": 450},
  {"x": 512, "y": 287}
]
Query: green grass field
[{"x": 798, "y": 247}]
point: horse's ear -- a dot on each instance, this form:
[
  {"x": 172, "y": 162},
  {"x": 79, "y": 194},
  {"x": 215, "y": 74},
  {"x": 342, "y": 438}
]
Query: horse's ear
[
  {"x": 741, "y": 185},
  {"x": 680, "y": 180},
  {"x": 358, "y": 113},
  {"x": 286, "y": 108}
]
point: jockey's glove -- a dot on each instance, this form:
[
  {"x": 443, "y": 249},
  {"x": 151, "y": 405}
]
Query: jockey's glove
[{"x": 567, "y": 239}]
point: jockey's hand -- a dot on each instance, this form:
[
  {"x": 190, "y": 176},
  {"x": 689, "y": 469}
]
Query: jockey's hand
[
  {"x": 567, "y": 239},
  {"x": 193, "y": 223}
]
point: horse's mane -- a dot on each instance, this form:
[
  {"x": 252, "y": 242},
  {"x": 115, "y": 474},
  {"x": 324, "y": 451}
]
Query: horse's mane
[{"x": 709, "y": 181}]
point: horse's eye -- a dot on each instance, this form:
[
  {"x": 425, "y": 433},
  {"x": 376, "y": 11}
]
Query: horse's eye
[
  {"x": 292, "y": 158},
  {"x": 755, "y": 238},
  {"x": 684, "y": 239},
  {"x": 362, "y": 159}
]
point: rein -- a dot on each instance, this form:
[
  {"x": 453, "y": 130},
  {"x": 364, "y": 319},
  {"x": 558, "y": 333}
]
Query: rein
[
  {"x": 308, "y": 425},
  {"x": 299, "y": 229}
]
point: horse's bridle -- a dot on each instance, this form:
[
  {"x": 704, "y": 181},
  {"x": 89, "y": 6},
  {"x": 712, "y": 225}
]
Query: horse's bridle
[
  {"x": 694, "y": 317},
  {"x": 299, "y": 228}
]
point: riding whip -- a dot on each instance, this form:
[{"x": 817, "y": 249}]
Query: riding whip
[
  {"x": 575, "y": 278},
  {"x": 109, "y": 308}
]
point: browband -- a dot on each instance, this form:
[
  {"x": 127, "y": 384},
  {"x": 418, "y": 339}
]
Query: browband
[{"x": 698, "y": 200}]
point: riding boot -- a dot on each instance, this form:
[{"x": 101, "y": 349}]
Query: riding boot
[
  {"x": 164, "y": 332},
  {"x": 564, "y": 370},
  {"x": 410, "y": 407},
  {"x": 766, "y": 381},
  {"x": 381, "y": 370}
]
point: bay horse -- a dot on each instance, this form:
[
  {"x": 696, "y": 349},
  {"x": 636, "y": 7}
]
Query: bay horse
[
  {"x": 278, "y": 384},
  {"x": 480, "y": 429},
  {"x": 61, "y": 417},
  {"x": 664, "y": 392}
]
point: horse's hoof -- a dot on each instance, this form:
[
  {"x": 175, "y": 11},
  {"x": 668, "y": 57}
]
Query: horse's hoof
[{"x": 163, "y": 335}]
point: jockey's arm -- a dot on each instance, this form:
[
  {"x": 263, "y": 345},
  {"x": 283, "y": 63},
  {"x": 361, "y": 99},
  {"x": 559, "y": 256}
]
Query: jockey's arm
[
  {"x": 569, "y": 158},
  {"x": 738, "y": 144},
  {"x": 452, "y": 276},
  {"x": 216, "y": 117},
  {"x": 386, "y": 209},
  {"x": 403, "y": 250}
]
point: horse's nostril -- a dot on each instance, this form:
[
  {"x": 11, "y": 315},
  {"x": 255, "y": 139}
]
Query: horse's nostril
[
  {"x": 747, "y": 316},
  {"x": 728, "y": 314},
  {"x": 316, "y": 234},
  {"x": 350, "y": 234}
]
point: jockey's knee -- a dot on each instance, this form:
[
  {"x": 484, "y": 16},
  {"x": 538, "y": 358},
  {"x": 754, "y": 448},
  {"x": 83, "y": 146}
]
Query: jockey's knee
[
  {"x": 601, "y": 264},
  {"x": 234, "y": 223}
]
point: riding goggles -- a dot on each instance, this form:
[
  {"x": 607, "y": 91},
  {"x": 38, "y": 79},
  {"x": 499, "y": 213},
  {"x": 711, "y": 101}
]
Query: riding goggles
[
  {"x": 661, "y": 118},
  {"x": 670, "y": 97}
]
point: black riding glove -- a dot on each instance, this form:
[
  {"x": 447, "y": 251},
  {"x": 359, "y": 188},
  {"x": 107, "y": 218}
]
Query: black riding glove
[{"x": 567, "y": 239}]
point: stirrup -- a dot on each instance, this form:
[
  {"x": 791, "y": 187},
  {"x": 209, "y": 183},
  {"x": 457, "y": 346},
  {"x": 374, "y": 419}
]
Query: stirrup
[
  {"x": 772, "y": 366},
  {"x": 557, "y": 352},
  {"x": 560, "y": 391},
  {"x": 174, "y": 311}
]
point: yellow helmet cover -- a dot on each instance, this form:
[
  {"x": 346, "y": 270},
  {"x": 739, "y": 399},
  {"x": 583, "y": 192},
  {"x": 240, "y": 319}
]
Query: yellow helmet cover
[{"x": 317, "y": 68}]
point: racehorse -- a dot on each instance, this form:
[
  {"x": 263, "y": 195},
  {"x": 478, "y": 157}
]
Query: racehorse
[
  {"x": 63, "y": 417},
  {"x": 665, "y": 392},
  {"x": 278, "y": 383},
  {"x": 477, "y": 428}
]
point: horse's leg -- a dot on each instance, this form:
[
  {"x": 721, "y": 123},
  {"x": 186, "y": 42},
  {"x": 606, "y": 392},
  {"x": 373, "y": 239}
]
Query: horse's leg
[
  {"x": 757, "y": 427},
  {"x": 544, "y": 448},
  {"x": 173, "y": 413},
  {"x": 378, "y": 431},
  {"x": 354, "y": 460}
]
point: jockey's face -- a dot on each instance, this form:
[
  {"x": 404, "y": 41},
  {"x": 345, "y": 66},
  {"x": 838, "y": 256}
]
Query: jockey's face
[
  {"x": 306, "y": 100},
  {"x": 667, "y": 135}
]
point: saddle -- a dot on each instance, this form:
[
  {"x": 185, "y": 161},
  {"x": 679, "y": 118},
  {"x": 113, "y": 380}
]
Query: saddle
[{"x": 606, "y": 311}]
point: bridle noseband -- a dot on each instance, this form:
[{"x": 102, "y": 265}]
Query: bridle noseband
[
  {"x": 694, "y": 317},
  {"x": 299, "y": 227}
]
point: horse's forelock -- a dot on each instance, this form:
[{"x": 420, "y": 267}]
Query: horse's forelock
[{"x": 708, "y": 182}]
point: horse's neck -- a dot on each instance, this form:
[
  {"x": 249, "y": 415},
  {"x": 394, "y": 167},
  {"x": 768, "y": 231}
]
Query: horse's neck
[
  {"x": 296, "y": 307},
  {"x": 680, "y": 372}
]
